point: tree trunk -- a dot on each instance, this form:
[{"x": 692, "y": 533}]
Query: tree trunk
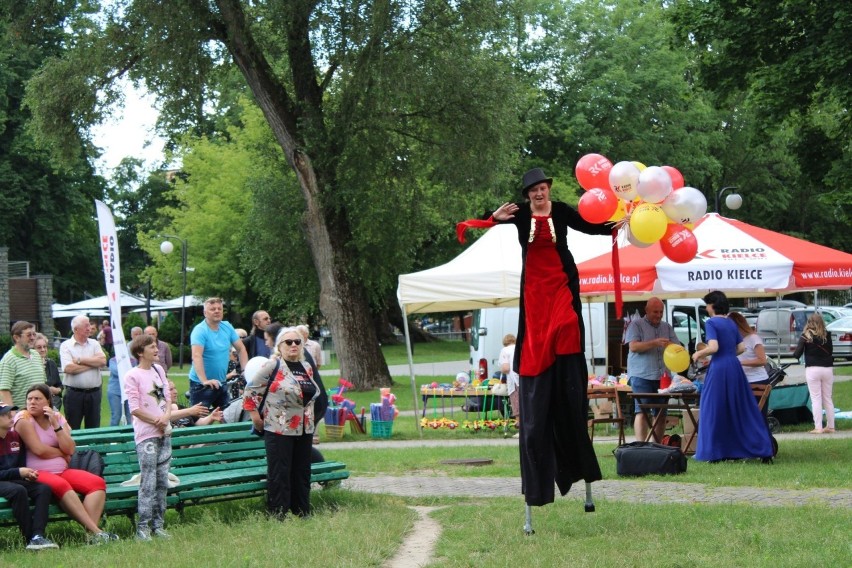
[{"x": 343, "y": 301}]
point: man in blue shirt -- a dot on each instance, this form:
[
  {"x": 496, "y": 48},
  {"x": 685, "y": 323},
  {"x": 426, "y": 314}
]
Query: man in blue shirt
[
  {"x": 648, "y": 337},
  {"x": 211, "y": 341}
]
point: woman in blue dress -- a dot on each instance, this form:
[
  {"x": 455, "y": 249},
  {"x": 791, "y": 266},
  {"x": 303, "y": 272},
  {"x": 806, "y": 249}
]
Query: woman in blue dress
[{"x": 731, "y": 426}]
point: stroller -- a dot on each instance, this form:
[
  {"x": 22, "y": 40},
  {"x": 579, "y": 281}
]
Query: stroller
[
  {"x": 762, "y": 392},
  {"x": 789, "y": 403}
]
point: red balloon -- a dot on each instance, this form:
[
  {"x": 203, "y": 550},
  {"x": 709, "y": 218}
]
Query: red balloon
[
  {"x": 677, "y": 177},
  {"x": 592, "y": 170},
  {"x": 597, "y": 205},
  {"x": 679, "y": 243}
]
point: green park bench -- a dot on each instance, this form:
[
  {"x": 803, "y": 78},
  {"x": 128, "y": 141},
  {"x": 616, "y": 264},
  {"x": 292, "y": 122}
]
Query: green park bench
[{"x": 214, "y": 463}]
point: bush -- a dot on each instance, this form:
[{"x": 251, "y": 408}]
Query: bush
[
  {"x": 132, "y": 320},
  {"x": 170, "y": 330},
  {"x": 187, "y": 354},
  {"x": 53, "y": 354},
  {"x": 6, "y": 343}
]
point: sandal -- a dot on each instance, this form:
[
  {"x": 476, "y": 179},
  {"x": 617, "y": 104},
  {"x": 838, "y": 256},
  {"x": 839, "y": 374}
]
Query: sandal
[
  {"x": 828, "y": 430},
  {"x": 815, "y": 432}
]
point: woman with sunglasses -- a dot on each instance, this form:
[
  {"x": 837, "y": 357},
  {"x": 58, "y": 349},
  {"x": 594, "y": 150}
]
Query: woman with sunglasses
[{"x": 287, "y": 420}]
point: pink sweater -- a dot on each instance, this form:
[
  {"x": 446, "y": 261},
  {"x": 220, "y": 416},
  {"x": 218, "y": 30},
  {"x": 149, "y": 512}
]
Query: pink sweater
[{"x": 146, "y": 390}]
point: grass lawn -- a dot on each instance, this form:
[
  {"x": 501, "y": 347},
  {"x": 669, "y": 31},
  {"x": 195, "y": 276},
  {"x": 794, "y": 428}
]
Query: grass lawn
[{"x": 361, "y": 530}]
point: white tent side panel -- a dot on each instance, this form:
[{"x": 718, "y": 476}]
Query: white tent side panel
[{"x": 485, "y": 275}]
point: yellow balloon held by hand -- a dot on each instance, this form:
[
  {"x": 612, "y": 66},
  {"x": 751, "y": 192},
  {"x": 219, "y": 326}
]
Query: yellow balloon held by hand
[
  {"x": 648, "y": 223},
  {"x": 676, "y": 358}
]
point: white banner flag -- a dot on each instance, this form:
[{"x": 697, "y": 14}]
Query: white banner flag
[{"x": 112, "y": 280}]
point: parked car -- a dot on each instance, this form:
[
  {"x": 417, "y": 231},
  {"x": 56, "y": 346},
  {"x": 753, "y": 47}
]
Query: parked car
[
  {"x": 841, "y": 337},
  {"x": 780, "y": 328},
  {"x": 833, "y": 313},
  {"x": 780, "y": 304}
]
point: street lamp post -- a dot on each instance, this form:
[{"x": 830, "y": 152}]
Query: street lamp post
[
  {"x": 733, "y": 201},
  {"x": 166, "y": 247}
]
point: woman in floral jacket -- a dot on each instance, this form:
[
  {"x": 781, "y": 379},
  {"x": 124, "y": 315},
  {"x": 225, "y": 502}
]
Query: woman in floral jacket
[{"x": 288, "y": 423}]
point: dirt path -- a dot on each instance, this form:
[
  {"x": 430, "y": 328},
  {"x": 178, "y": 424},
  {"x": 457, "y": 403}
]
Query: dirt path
[{"x": 418, "y": 547}]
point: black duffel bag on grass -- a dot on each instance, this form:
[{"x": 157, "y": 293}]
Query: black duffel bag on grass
[{"x": 648, "y": 458}]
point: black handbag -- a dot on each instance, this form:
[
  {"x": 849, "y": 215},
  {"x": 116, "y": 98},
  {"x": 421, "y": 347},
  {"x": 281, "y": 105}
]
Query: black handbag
[
  {"x": 88, "y": 460},
  {"x": 263, "y": 400},
  {"x": 648, "y": 458}
]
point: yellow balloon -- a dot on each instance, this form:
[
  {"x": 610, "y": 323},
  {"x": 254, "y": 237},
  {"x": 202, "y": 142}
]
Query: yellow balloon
[
  {"x": 620, "y": 212},
  {"x": 639, "y": 165},
  {"x": 676, "y": 358},
  {"x": 648, "y": 223}
]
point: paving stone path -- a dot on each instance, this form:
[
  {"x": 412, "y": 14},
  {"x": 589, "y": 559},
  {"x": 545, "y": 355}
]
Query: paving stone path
[{"x": 634, "y": 491}]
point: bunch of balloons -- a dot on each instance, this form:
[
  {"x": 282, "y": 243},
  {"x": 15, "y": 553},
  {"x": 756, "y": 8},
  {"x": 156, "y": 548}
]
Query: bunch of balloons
[{"x": 661, "y": 207}]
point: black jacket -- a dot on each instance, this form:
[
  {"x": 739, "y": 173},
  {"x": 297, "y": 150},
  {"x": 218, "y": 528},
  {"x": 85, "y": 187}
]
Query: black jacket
[{"x": 818, "y": 352}]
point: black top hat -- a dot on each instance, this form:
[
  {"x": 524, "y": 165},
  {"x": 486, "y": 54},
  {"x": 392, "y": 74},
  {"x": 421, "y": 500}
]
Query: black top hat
[{"x": 534, "y": 177}]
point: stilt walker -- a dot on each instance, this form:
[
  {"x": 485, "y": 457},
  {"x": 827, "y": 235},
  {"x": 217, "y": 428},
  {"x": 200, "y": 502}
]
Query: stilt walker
[{"x": 554, "y": 440}]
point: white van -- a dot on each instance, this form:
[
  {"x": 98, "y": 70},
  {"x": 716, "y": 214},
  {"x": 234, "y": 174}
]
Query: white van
[
  {"x": 489, "y": 326},
  {"x": 687, "y": 316}
]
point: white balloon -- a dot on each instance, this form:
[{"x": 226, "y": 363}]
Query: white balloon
[
  {"x": 255, "y": 368},
  {"x": 623, "y": 179},
  {"x": 685, "y": 205},
  {"x": 655, "y": 184}
]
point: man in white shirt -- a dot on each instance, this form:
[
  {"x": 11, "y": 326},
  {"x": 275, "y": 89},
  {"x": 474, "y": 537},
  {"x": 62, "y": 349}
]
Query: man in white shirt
[{"x": 82, "y": 358}]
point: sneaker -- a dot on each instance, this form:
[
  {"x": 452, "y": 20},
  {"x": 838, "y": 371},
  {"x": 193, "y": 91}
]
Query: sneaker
[
  {"x": 102, "y": 538},
  {"x": 143, "y": 534},
  {"x": 161, "y": 533},
  {"x": 39, "y": 542}
]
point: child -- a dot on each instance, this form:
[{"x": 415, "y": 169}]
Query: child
[
  {"x": 150, "y": 405},
  {"x": 18, "y": 484}
]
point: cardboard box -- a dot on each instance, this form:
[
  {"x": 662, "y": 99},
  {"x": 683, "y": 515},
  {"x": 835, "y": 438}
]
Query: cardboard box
[{"x": 687, "y": 432}]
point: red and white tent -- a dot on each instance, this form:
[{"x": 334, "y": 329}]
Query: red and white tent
[{"x": 733, "y": 256}]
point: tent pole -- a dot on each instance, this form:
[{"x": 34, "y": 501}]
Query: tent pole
[{"x": 411, "y": 367}]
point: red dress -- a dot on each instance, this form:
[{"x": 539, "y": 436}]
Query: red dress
[{"x": 546, "y": 291}]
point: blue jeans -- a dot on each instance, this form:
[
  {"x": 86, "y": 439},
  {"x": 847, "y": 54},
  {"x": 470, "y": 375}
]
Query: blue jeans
[
  {"x": 208, "y": 396},
  {"x": 115, "y": 409},
  {"x": 640, "y": 385}
]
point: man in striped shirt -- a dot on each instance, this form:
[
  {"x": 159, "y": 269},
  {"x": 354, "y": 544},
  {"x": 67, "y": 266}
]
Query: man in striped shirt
[{"x": 21, "y": 366}]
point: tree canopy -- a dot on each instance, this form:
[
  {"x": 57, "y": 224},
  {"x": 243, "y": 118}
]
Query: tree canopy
[{"x": 328, "y": 147}]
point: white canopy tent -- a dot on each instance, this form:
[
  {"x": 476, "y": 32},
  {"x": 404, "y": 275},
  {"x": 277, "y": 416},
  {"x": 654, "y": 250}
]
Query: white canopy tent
[{"x": 485, "y": 275}]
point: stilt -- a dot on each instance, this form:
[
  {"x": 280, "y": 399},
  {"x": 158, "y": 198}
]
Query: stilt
[
  {"x": 528, "y": 530},
  {"x": 590, "y": 505}
]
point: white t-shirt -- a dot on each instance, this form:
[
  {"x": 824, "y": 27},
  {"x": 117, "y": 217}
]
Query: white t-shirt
[
  {"x": 507, "y": 355},
  {"x": 753, "y": 374}
]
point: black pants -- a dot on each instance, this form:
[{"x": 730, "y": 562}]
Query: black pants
[
  {"x": 288, "y": 472},
  {"x": 555, "y": 444},
  {"x": 18, "y": 493},
  {"x": 83, "y": 405}
]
